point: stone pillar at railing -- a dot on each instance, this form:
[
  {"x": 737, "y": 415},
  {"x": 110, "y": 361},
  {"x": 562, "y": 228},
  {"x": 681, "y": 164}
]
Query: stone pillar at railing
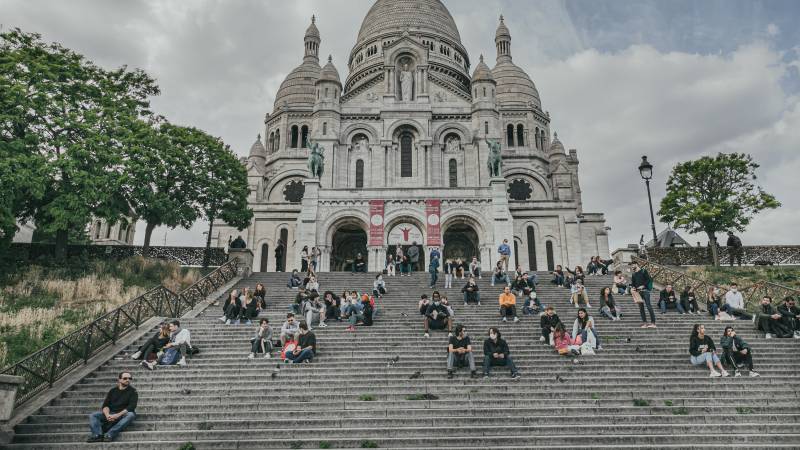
[
  {"x": 8, "y": 395},
  {"x": 623, "y": 256},
  {"x": 245, "y": 258}
]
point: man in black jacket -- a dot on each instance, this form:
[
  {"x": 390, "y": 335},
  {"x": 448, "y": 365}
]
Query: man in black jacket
[
  {"x": 437, "y": 317},
  {"x": 118, "y": 411},
  {"x": 641, "y": 281},
  {"x": 548, "y": 322},
  {"x": 735, "y": 250},
  {"x": 770, "y": 321},
  {"x": 306, "y": 347},
  {"x": 790, "y": 315},
  {"x": 496, "y": 353},
  {"x": 471, "y": 292}
]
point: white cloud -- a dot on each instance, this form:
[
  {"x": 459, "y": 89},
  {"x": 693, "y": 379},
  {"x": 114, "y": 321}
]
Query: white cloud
[{"x": 773, "y": 29}]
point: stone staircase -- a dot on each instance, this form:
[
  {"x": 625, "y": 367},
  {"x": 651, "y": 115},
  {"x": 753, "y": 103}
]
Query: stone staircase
[{"x": 638, "y": 392}]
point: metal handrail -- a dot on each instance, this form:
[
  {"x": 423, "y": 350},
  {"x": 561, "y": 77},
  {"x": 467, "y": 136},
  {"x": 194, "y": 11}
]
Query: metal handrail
[
  {"x": 704, "y": 289},
  {"x": 44, "y": 367}
]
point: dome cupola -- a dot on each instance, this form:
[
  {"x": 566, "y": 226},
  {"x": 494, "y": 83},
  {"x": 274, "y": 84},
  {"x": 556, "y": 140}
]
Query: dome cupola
[{"x": 297, "y": 89}]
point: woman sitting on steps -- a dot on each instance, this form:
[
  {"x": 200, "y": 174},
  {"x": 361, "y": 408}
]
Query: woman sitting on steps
[{"x": 703, "y": 351}]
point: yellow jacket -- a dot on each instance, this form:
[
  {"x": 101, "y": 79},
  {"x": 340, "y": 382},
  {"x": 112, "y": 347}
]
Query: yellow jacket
[{"x": 507, "y": 299}]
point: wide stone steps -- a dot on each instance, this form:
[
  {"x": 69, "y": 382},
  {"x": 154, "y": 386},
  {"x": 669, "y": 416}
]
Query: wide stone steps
[{"x": 638, "y": 392}]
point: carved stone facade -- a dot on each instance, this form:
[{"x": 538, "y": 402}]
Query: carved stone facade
[{"x": 410, "y": 125}]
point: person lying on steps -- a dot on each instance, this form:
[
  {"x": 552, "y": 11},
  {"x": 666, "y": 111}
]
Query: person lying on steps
[
  {"x": 154, "y": 344},
  {"x": 459, "y": 352}
]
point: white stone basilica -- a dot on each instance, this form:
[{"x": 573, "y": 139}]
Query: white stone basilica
[{"x": 405, "y": 143}]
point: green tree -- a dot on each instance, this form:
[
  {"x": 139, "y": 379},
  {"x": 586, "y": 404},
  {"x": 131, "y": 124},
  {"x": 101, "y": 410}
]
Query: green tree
[
  {"x": 159, "y": 167},
  {"x": 714, "y": 194},
  {"x": 70, "y": 118}
]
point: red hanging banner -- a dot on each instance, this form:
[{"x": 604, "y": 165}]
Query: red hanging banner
[
  {"x": 433, "y": 215},
  {"x": 376, "y": 222}
]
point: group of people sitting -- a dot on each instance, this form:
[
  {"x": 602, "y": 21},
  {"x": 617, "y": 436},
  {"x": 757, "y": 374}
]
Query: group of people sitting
[
  {"x": 782, "y": 321},
  {"x": 243, "y": 306},
  {"x": 583, "y": 339},
  {"x": 736, "y": 353},
  {"x": 170, "y": 345}
]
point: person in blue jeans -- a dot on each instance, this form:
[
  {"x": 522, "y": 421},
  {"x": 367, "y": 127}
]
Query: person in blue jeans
[
  {"x": 117, "y": 413},
  {"x": 668, "y": 298},
  {"x": 496, "y": 353},
  {"x": 641, "y": 281},
  {"x": 306, "y": 347},
  {"x": 433, "y": 269}
]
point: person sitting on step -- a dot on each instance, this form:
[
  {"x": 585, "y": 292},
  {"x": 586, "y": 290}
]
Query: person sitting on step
[
  {"x": 437, "y": 316},
  {"x": 312, "y": 287},
  {"x": 471, "y": 291},
  {"x": 790, "y": 316},
  {"x": 499, "y": 275},
  {"x": 578, "y": 293},
  {"x": 379, "y": 286},
  {"x": 359, "y": 264},
  {"x": 459, "y": 352},
  {"x": 523, "y": 285},
  {"x": 118, "y": 411},
  {"x": 584, "y": 327},
  {"x": 250, "y": 308},
  {"x": 548, "y": 322},
  {"x": 559, "y": 278},
  {"x": 332, "y": 306},
  {"x": 289, "y": 329},
  {"x": 734, "y": 303},
  {"x": 668, "y": 299},
  {"x": 770, "y": 321},
  {"x": 508, "y": 305},
  {"x": 703, "y": 351},
  {"x": 294, "y": 280},
  {"x": 306, "y": 347},
  {"x": 689, "y": 300},
  {"x": 314, "y": 308},
  {"x": 232, "y": 308},
  {"x": 576, "y": 275},
  {"x": 299, "y": 301},
  {"x": 496, "y": 353},
  {"x": 714, "y": 303},
  {"x": 593, "y": 268},
  {"x": 154, "y": 344},
  {"x": 450, "y": 309},
  {"x": 262, "y": 341},
  {"x": 608, "y": 308},
  {"x": 475, "y": 268},
  {"x": 175, "y": 350},
  {"x": 532, "y": 305},
  {"x": 354, "y": 311},
  {"x": 460, "y": 269},
  {"x": 736, "y": 353},
  {"x": 620, "y": 283},
  {"x": 423, "y": 304},
  {"x": 261, "y": 294},
  {"x": 563, "y": 342}
]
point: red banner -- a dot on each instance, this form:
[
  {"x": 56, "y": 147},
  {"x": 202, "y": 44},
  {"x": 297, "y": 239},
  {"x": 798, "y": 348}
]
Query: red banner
[
  {"x": 433, "y": 218},
  {"x": 376, "y": 222}
]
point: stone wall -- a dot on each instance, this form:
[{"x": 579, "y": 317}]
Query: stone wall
[{"x": 185, "y": 256}]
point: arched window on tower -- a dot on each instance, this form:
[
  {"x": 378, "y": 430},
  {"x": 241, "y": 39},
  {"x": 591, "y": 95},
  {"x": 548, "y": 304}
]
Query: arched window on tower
[
  {"x": 359, "y": 173},
  {"x": 550, "y": 261},
  {"x": 531, "y": 238},
  {"x": 486, "y": 127},
  {"x": 510, "y": 135},
  {"x": 295, "y": 133},
  {"x": 324, "y": 128},
  {"x": 520, "y": 136},
  {"x": 406, "y": 160},
  {"x": 453, "y": 172},
  {"x": 271, "y": 145},
  {"x": 277, "y": 140},
  {"x": 536, "y": 138},
  {"x": 304, "y": 136}
]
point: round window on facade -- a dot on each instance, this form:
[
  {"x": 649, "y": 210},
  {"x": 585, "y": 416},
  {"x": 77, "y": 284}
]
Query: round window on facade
[
  {"x": 519, "y": 190},
  {"x": 293, "y": 191}
]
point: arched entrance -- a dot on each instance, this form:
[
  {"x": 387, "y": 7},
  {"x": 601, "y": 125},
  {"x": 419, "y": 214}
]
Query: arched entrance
[
  {"x": 264, "y": 258},
  {"x": 348, "y": 241},
  {"x": 406, "y": 234},
  {"x": 461, "y": 241}
]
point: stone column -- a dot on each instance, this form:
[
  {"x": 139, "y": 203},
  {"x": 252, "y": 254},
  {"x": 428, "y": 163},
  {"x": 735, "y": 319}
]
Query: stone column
[
  {"x": 377, "y": 256},
  {"x": 436, "y": 165},
  {"x": 245, "y": 258},
  {"x": 324, "y": 262},
  {"x": 502, "y": 222},
  {"x": 8, "y": 395},
  {"x": 307, "y": 220}
]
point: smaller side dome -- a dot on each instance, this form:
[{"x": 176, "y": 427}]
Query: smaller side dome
[
  {"x": 556, "y": 146},
  {"x": 257, "y": 149},
  {"x": 482, "y": 72},
  {"x": 329, "y": 73}
]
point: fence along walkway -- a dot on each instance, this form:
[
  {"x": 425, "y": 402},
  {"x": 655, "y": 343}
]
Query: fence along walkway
[{"x": 41, "y": 369}]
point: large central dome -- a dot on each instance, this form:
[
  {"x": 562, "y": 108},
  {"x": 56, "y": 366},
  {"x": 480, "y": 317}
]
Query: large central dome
[{"x": 393, "y": 16}]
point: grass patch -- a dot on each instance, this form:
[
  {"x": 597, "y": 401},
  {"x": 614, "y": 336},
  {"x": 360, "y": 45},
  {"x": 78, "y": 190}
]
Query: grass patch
[
  {"x": 186, "y": 446},
  {"x": 668, "y": 403},
  {"x": 366, "y": 397},
  {"x": 369, "y": 444},
  {"x": 745, "y": 276},
  {"x": 595, "y": 396},
  {"x": 743, "y": 410},
  {"x": 422, "y": 397},
  {"x": 324, "y": 444},
  {"x": 682, "y": 411},
  {"x": 640, "y": 402},
  {"x": 296, "y": 444}
]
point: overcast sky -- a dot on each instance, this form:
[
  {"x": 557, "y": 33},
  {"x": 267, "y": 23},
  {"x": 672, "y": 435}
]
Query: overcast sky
[{"x": 672, "y": 80}]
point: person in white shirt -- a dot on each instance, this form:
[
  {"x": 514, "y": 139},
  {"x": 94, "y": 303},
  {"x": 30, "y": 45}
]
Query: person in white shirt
[
  {"x": 475, "y": 268},
  {"x": 734, "y": 303}
]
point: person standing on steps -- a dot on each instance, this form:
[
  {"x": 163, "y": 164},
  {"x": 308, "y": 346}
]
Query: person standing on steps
[
  {"x": 508, "y": 305},
  {"x": 413, "y": 256},
  {"x": 703, "y": 351},
  {"x": 504, "y": 252},
  {"x": 359, "y": 265},
  {"x": 448, "y": 268},
  {"x": 735, "y": 249},
  {"x": 313, "y": 257},
  {"x": 736, "y": 352},
  {"x": 118, "y": 411},
  {"x": 548, "y": 323},
  {"x": 496, "y": 353},
  {"x": 433, "y": 269},
  {"x": 304, "y": 259},
  {"x": 262, "y": 341},
  {"x": 437, "y": 317},
  {"x": 459, "y": 352},
  {"x": 643, "y": 284},
  {"x": 280, "y": 251},
  {"x": 471, "y": 292}
]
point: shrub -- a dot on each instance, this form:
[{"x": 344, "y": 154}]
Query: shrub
[
  {"x": 682, "y": 411},
  {"x": 640, "y": 402},
  {"x": 668, "y": 403},
  {"x": 369, "y": 444},
  {"x": 366, "y": 397},
  {"x": 324, "y": 444}
]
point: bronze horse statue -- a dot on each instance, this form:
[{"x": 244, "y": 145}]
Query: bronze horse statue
[
  {"x": 316, "y": 159},
  {"x": 495, "y": 160}
]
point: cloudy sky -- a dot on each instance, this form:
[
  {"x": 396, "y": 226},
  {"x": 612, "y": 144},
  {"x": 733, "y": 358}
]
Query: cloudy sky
[{"x": 671, "y": 80}]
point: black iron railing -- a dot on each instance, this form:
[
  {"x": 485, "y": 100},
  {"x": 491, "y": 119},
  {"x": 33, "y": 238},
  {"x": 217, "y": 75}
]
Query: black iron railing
[
  {"x": 43, "y": 368},
  {"x": 704, "y": 289}
]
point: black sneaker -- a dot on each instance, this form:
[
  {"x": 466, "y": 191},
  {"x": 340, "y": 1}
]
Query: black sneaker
[
  {"x": 108, "y": 438},
  {"x": 473, "y": 374},
  {"x": 515, "y": 376},
  {"x": 97, "y": 438},
  {"x": 449, "y": 374}
]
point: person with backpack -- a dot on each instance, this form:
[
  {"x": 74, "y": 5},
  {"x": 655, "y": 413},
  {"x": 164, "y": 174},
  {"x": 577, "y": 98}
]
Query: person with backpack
[
  {"x": 306, "y": 347},
  {"x": 496, "y": 353},
  {"x": 459, "y": 352},
  {"x": 176, "y": 350},
  {"x": 262, "y": 341},
  {"x": 289, "y": 329},
  {"x": 433, "y": 269},
  {"x": 154, "y": 344}
]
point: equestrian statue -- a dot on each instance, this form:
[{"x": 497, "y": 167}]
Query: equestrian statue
[
  {"x": 495, "y": 161},
  {"x": 316, "y": 159}
]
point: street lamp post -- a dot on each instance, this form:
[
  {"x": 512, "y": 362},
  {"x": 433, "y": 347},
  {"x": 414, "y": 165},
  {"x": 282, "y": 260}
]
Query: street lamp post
[{"x": 646, "y": 171}]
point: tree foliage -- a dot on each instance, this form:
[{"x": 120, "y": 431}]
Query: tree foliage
[{"x": 714, "y": 194}]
